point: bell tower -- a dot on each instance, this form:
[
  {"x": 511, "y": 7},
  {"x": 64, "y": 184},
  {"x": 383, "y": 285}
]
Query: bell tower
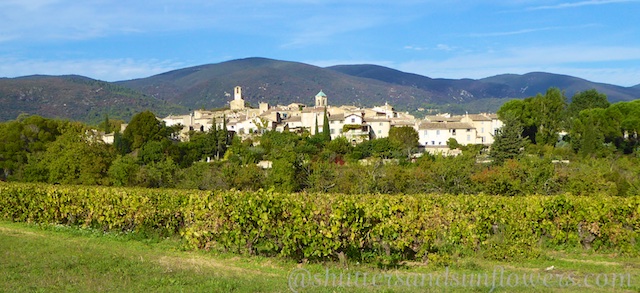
[
  {"x": 237, "y": 103},
  {"x": 321, "y": 99}
]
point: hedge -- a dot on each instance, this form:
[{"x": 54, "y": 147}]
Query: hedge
[{"x": 331, "y": 226}]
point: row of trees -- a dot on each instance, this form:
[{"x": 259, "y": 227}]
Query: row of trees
[
  {"x": 600, "y": 142},
  {"x": 589, "y": 124}
]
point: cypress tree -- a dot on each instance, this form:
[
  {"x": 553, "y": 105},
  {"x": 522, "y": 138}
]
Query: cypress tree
[
  {"x": 508, "y": 143},
  {"x": 107, "y": 125},
  {"x": 316, "y": 131},
  {"x": 326, "y": 132},
  {"x": 222, "y": 138}
]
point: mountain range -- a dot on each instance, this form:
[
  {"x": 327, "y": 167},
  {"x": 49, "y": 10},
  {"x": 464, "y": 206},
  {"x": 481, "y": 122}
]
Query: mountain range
[{"x": 276, "y": 82}]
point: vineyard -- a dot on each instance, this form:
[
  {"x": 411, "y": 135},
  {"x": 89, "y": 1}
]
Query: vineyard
[{"x": 316, "y": 227}]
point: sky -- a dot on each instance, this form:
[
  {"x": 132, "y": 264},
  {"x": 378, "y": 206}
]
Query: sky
[{"x": 598, "y": 40}]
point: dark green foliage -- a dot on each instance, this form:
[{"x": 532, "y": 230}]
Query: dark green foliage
[
  {"x": 152, "y": 152},
  {"x": 405, "y": 137},
  {"x": 541, "y": 117},
  {"x": 378, "y": 148},
  {"x": 591, "y": 128},
  {"x": 452, "y": 143},
  {"x": 288, "y": 172},
  {"x": 326, "y": 130},
  {"x": 589, "y": 99},
  {"x": 75, "y": 157},
  {"x": 550, "y": 112},
  {"x": 123, "y": 171},
  {"x": 107, "y": 124},
  {"x": 508, "y": 142},
  {"x": 44, "y": 150},
  {"x": 145, "y": 127},
  {"x": 25, "y": 137}
]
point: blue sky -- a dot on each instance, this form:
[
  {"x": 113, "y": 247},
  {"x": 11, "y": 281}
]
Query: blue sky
[{"x": 598, "y": 40}]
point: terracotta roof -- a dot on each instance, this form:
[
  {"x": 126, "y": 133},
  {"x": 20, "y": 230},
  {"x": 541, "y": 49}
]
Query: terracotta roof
[
  {"x": 293, "y": 119},
  {"x": 437, "y": 118},
  {"x": 478, "y": 117},
  {"x": 313, "y": 110},
  {"x": 336, "y": 117},
  {"x": 445, "y": 125},
  {"x": 378, "y": 119}
]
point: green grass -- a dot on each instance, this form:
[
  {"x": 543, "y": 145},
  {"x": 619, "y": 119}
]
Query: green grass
[{"x": 57, "y": 258}]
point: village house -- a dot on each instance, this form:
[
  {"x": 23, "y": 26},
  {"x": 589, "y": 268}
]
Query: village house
[{"x": 354, "y": 123}]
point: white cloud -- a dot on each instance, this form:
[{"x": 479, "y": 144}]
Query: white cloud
[
  {"x": 414, "y": 48},
  {"x": 579, "y": 4},
  {"x": 531, "y": 30},
  {"x": 443, "y": 47},
  {"x": 332, "y": 62},
  {"x": 579, "y": 61},
  {"x": 438, "y": 47}
]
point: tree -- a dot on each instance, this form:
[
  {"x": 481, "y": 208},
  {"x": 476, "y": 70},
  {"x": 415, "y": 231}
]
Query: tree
[
  {"x": 508, "y": 141},
  {"x": 25, "y": 137},
  {"x": 123, "y": 170},
  {"x": 549, "y": 110},
  {"x": 541, "y": 117},
  {"x": 152, "y": 152},
  {"x": 287, "y": 173},
  {"x": 453, "y": 144},
  {"x": 589, "y": 99},
  {"x": 521, "y": 110},
  {"x": 107, "y": 124},
  {"x": 222, "y": 137},
  {"x": 77, "y": 158},
  {"x": 326, "y": 131},
  {"x": 145, "y": 127},
  {"x": 406, "y": 137}
]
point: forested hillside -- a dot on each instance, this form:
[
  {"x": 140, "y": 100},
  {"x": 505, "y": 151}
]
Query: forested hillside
[{"x": 75, "y": 98}]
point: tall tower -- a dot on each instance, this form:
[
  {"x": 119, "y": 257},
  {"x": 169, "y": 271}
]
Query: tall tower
[
  {"x": 238, "y": 102},
  {"x": 321, "y": 99}
]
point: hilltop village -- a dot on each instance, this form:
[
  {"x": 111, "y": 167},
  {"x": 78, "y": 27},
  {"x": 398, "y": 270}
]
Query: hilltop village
[{"x": 354, "y": 123}]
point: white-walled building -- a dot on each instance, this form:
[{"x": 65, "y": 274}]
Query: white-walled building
[{"x": 354, "y": 123}]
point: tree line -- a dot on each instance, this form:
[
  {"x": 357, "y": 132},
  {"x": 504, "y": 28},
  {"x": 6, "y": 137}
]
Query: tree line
[{"x": 529, "y": 156}]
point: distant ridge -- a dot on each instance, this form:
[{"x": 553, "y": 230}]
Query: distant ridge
[
  {"x": 273, "y": 81},
  {"x": 73, "y": 97},
  {"x": 277, "y": 82},
  {"x": 533, "y": 83},
  {"x": 499, "y": 86}
]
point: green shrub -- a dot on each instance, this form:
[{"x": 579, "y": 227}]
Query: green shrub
[{"x": 317, "y": 226}]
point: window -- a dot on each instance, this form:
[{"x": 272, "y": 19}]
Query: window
[
  {"x": 438, "y": 132},
  {"x": 379, "y": 131},
  {"x": 468, "y": 137},
  {"x": 482, "y": 130},
  {"x": 426, "y": 133},
  {"x": 380, "y": 124},
  {"x": 453, "y": 131},
  {"x": 433, "y": 142},
  {"x": 353, "y": 120},
  {"x": 333, "y": 131},
  {"x": 468, "y": 129}
]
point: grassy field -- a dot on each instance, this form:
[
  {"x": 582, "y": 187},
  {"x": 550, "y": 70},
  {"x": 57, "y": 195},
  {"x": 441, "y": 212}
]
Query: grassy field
[{"x": 56, "y": 258}]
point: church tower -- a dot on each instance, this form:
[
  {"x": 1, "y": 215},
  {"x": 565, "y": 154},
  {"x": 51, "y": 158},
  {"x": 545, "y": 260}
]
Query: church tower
[
  {"x": 321, "y": 99},
  {"x": 238, "y": 102}
]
